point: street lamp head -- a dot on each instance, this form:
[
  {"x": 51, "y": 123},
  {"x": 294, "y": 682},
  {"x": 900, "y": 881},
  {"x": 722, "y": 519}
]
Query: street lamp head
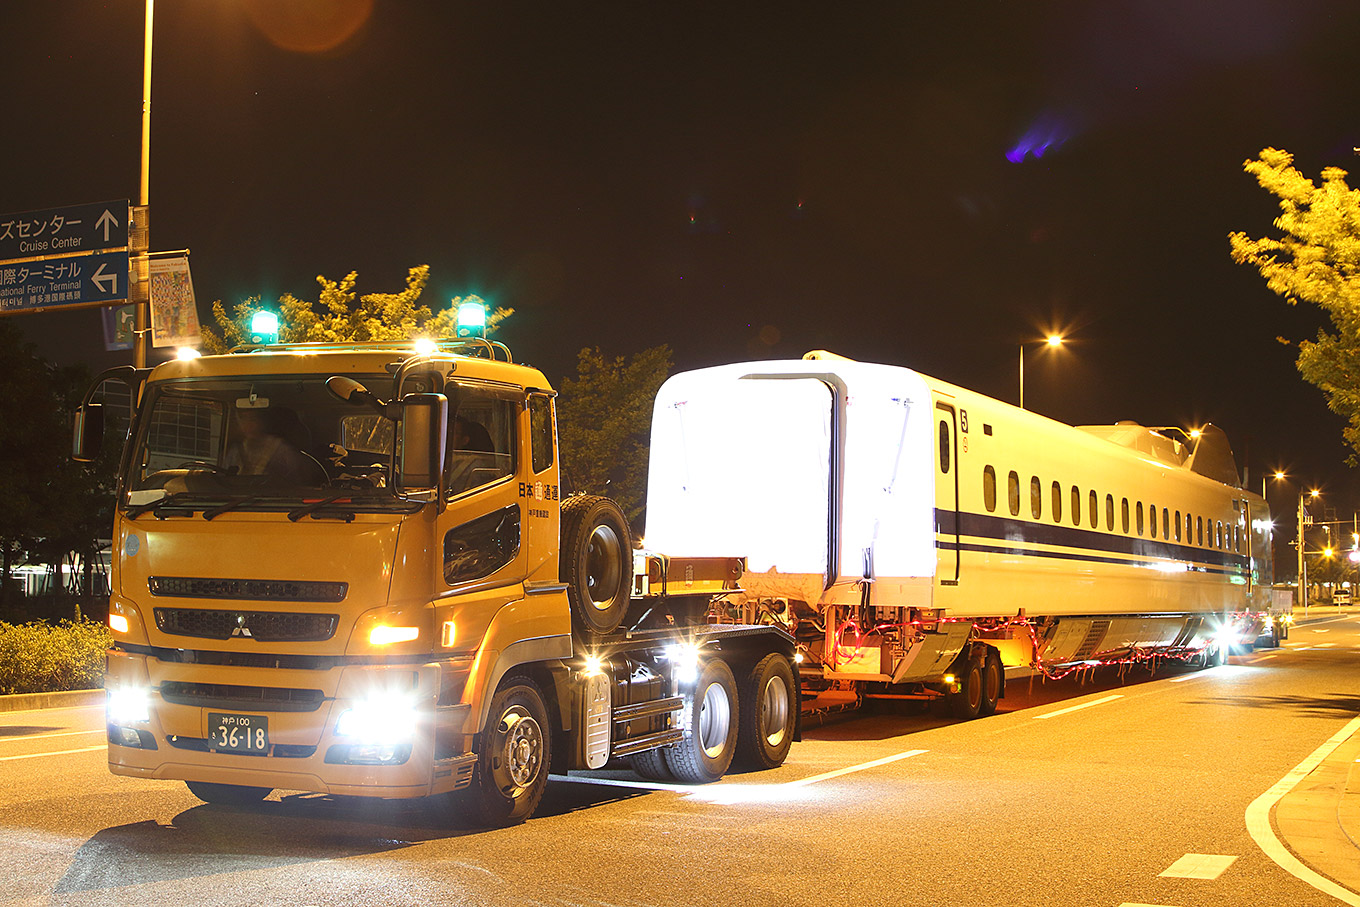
[
  {"x": 1314, "y": 493},
  {"x": 1279, "y": 475},
  {"x": 1055, "y": 340}
]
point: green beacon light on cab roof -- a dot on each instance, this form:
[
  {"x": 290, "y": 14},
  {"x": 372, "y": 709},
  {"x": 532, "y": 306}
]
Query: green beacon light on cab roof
[
  {"x": 471, "y": 319},
  {"x": 264, "y": 327}
]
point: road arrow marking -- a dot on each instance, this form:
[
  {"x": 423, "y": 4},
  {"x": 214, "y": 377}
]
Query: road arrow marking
[
  {"x": 105, "y": 220},
  {"x": 99, "y": 277}
]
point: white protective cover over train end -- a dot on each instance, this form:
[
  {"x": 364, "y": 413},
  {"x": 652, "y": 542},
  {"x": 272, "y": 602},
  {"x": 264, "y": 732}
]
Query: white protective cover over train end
[{"x": 803, "y": 467}]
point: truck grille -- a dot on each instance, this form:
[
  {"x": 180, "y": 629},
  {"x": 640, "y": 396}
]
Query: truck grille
[
  {"x": 269, "y": 590},
  {"x": 235, "y": 698},
  {"x": 265, "y": 626}
]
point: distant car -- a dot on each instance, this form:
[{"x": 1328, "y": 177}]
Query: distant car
[{"x": 1341, "y": 597}]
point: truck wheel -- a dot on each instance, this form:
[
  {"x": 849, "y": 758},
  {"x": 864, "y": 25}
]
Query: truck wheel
[
  {"x": 709, "y": 716},
  {"x": 227, "y": 794},
  {"x": 992, "y": 678},
  {"x": 768, "y": 701},
  {"x": 967, "y": 702},
  {"x": 516, "y": 751},
  {"x": 651, "y": 765},
  {"x": 596, "y": 562}
]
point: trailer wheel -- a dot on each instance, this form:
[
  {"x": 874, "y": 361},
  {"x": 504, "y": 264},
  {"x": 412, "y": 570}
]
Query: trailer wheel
[
  {"x": 596, "y": 562},
  {"x": 227, "y": 794},
  {"x": 768, "y": 712},
  {"x": 992, "y": 678},
  {"x": 512, "y": 767},
  {"x": 709, "y": 716},
  {"x": 651, "y": 765},
  {"x": 967, "y": 702}
]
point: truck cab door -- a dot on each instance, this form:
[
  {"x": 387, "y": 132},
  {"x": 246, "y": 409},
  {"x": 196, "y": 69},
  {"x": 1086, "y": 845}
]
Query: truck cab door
[{"x": 539, "y": 491}]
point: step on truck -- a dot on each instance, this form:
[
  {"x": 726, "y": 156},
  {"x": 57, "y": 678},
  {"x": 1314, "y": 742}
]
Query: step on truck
[{"x": 349, "y": 569}]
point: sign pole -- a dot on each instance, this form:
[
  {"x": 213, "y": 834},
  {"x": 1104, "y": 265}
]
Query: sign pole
[{"x": 142, "y": 319}]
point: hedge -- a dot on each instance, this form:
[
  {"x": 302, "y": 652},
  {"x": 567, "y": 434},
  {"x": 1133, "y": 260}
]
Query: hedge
[{"x": 40, "y": 657}]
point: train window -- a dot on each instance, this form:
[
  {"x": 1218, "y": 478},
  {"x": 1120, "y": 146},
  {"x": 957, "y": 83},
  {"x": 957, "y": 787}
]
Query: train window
[
  {"x": 1124, "y": 515},
  {"x": 1094, "y": 506},
  {"x": 1218, "y": 535},
  {"x": 1036, "y": 497},
  {"x": 1057, "y": 502},
  {"x": 1109, "y": 512},
  {"x": 1152, "y": 520},
  {"x": 1189, "y": 535},
  {"x": 989, "y": 488},
  {"x": 944, "y": 446},
  {"x": 1199, "y": 530},
  {"x": 1178, "y": 525},
  {"x": 1139, "y": 511},
  {"x": 1166, "y": 523},
  {"x": 1076, "y": 506},
  {"x": 1013, "y": 492}
]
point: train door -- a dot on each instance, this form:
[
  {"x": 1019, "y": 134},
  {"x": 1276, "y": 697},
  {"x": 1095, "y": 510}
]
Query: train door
[{"x": 947, "y": 493}]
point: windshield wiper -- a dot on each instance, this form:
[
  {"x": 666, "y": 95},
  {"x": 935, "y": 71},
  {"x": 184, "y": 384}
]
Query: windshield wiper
[
  {"x": 178, "y": 499},
  {"x": 327, "y": 501},
  {"x": 242, "y": 501}
]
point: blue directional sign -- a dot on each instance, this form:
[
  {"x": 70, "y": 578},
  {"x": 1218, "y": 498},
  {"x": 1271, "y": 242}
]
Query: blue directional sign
[
  {"x": 64, "y": 282},
  {"x": 64, "y": 231}
]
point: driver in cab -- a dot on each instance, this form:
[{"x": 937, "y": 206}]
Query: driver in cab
[{"x": 261, "y": 450}]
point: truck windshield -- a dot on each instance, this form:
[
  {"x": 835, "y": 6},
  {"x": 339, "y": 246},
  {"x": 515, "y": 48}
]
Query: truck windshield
[{"x": 259, "y": 439}]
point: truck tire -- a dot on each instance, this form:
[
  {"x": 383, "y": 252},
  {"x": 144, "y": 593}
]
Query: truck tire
[
  {"x": 596, "y": 563},
  {"x": 967, "y": 702},
  {"x": 709, "y": 715},
  {"x": 769, "y": 710},
  {"x": 513, "y": 761},
  {"x": 993, "y": 677},
  {"x": 651, "y": 765},
  {"x": 227, "y": 794}
]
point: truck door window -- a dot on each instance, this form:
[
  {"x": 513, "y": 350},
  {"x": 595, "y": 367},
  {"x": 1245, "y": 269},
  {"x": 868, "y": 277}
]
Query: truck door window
[
  {"x": 541, "y": 431},
  {"x": 482, "y": 438}
]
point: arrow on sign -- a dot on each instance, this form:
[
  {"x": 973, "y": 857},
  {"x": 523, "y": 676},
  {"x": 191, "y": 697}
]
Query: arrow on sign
[
  {"x": 99, "y": 277},
  {"x": 105, "y": 221}
]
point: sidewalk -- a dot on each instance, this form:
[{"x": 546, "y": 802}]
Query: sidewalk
[{"x": 72, "y": 699}]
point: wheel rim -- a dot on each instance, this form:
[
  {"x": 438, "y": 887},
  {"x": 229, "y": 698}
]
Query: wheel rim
[
  {"x": 974, "y": 688},
  {"x": 604, "y": 555},
  {"x": 521, "y": 752},
  {"x": 775, "y": 707},
  {"x": 715, "y": 720},
  {"x": 993, "y": 680}
]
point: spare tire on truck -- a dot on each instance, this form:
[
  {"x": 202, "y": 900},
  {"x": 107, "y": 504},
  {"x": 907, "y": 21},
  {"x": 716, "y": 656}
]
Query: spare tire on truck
[{"x": 596, "y": 563}]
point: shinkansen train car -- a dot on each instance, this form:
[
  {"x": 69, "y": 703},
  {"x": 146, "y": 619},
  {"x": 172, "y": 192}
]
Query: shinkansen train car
[{"x": 916, "y": 537}]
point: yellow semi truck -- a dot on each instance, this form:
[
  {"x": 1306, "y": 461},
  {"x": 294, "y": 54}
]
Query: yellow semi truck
[{"x": 349, "y": 569}]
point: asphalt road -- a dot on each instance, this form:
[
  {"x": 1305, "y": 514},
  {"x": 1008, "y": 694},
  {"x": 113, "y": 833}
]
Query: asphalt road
[{"x": 1084, "y": 791}]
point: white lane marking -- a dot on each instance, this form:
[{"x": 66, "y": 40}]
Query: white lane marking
[
  {"x": 694, "y": 788},
  {"x": 1258, "y": 819},
  {"x": 804, "y": 782},
  {"x": 1322, "y": 631},
  {"x": 60, "y": 734},
  {"x": 1207, "y": 866},
  {"x": 1325, "y": 645},
  {"x": 1075, "y": 708},
  {"x": 87, "y": 749}
]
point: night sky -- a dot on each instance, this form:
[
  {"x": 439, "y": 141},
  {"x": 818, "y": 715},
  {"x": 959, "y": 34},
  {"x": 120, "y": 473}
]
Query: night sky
[{"x": 917, "y": 184}]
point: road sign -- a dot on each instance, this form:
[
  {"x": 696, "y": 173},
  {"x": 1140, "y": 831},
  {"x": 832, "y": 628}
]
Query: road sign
[
  {"x": 64, "y": 282},
  {"x": 64, "y": 231}
]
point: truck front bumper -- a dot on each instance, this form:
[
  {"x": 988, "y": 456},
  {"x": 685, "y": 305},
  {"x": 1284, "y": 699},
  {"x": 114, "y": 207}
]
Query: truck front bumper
[{"x": 362, "y": 730}]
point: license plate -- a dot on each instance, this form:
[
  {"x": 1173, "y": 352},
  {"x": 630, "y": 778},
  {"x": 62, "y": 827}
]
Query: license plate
[{"x": 239, "y": 733}]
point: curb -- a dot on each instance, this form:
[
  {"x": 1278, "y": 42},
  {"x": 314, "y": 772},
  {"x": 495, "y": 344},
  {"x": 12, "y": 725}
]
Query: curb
[
  {"x": 1319, "y": 819},
  {"x": 68, "y": 699}
]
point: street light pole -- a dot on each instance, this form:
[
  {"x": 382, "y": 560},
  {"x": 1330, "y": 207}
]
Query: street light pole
[{"x": 142, "y": 309}]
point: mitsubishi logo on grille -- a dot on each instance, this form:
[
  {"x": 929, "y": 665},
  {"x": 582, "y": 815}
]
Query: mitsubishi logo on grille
[{"x": 241, "y": 629}]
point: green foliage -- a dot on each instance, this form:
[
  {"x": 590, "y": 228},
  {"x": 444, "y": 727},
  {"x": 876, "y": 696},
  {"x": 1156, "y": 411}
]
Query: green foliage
[
  {"x": 45, "y": 658},
  {"x": 605, "y": 422},
  {"x": 52, "y": 504},
  {"x": 340, "y": 315},
  {"x": 1315, "y": 259}
]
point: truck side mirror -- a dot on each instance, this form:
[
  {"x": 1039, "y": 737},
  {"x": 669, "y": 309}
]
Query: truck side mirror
[
  {"x": 423, "y": 428},
  {"x": 87, "y": 432}
]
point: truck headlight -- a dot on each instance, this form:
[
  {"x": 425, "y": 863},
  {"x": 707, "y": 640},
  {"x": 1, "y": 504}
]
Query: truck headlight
[
  {"x": 380, "y": 718},
  {"x": 383, "y": 635},
  {"x": 128, "y": 705}
]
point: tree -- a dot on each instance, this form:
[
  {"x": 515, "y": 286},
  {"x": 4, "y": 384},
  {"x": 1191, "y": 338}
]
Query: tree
[
  {"x": 1316, "y": 259},
  {"x": 334, "y": 316},
  {"x": 605, "y": 423}
]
